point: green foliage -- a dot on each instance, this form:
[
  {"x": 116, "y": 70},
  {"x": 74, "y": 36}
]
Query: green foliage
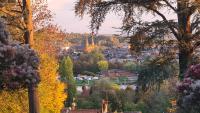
[
  {"x": 66, "y": 69},
  {"x": 158, "y": 102},
  {"x": 66, "y": 72},
  {"x": 89, "y": 73},
  {"x": 103, "y": 65},
  {"x": 152, "y": 72},
  {"x": 104, "y": 89},
  {"x": 88, "y": 62},
  {"x": 104, "y": 85},
  {"x": 85, "y": 104},
  {"x": 116, "y": 65},
  {"x": 130, "y": 66},
  {"x": 97, "y": 55}
]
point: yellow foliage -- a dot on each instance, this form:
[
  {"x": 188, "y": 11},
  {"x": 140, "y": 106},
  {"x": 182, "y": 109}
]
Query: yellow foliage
[
  {"x": 14, "y": 101},
  {"x": 51, "y": 90}
]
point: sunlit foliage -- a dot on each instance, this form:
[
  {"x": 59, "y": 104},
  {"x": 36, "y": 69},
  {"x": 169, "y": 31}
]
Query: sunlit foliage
[
  {"x": 50, "y": 90},
  {"x": 14, "y": 101},
  {"x": 102, "y": 65}
]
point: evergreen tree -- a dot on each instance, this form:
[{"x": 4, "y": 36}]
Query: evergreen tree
[
  {"x": 66, "y": 71},
  {"x": 182, "y": 31}
]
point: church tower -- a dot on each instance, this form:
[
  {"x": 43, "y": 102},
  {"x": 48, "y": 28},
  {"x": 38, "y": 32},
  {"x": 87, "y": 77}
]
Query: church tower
[{"x": 92, "y": 36}]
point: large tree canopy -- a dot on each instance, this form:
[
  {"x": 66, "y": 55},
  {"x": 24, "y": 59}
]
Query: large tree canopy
[{"x": 176, "y": 35}]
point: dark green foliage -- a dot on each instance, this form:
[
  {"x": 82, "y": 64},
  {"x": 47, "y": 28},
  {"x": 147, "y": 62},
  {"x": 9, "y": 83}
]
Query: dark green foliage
[
  {"x": 123, "y": 100},
  {"x": 152, "y": 72},
  {"x": 130, "y": 66},
  {"x": 66, "y": 72},
  {"x": 86, "y": 104},
  {"x": 89, "y": 73},
  {"x": 88, "y": 62}
]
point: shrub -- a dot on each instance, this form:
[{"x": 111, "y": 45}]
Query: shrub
[{"x": 189, "y": 90}]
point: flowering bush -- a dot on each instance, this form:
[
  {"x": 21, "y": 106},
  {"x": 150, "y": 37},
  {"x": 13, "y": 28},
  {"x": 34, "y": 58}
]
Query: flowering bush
[
  {"x": 18, "y": 63},
  {"x": 189, "y": 90}
]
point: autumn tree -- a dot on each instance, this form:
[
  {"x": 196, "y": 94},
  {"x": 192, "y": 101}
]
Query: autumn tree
[
  {"x": 20, "y": 18},
  {"x": 50, "y": 90},
  {"x": 182, "y": 30},
  {"x": 66, "y": 72},
  {"x": 51, "y": 39},
  {"x": 25, "y": 16}
]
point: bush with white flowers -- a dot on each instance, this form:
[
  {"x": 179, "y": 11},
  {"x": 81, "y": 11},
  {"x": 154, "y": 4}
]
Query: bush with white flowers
[{"x": 18, "y": 63}]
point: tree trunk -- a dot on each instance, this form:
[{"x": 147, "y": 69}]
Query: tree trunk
[
  {"x": 184, "y": 39},
  {"x": 33, "y": 99},
  {"x": 184, "y": 61},
  {"x": 28, "y": 33},
  {"x": 28, "y": 37}
]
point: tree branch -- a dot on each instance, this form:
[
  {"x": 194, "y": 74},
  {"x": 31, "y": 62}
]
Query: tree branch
[
  {"x": 196, "y": 45},
  {"x": 21, "y": 28},
  {"x": 20, "y": 4},
  {"x": 165, "y": 20},
  {"x": 195, "y": 24},
  {"x": 7, "y": 12},
  {"x": 16, "y": 11},
  {"x": 168, "y": 4},
  {"x": 196, "y": 34}
]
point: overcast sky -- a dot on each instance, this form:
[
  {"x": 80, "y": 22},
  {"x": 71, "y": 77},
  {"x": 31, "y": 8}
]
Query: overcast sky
[{"x": 65, "y": 17}]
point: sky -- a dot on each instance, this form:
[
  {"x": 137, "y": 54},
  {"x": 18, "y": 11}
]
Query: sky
[{"x": 65, "y": 17}]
